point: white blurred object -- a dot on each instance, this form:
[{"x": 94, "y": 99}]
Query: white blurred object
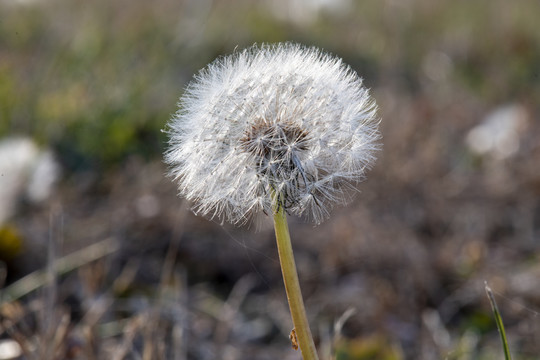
[
  {"x": 9, "y": 349},
  {"x": 45, "y": 174},
  {"x": 306, "y": 11},
  {"x": 499, "y": 133},
  {"x": 25, "y": 170}
]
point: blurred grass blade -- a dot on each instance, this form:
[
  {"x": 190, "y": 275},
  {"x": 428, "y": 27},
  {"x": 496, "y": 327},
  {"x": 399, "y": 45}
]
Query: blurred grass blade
[
  {"x": 61, "y": 266},
  {"x": 499, "y": 322}
]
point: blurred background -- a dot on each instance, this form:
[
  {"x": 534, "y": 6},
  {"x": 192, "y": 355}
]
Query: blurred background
[{"x": 99, "y": 259}]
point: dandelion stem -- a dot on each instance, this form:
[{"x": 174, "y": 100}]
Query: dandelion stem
[{"x": 292, "y": 285}]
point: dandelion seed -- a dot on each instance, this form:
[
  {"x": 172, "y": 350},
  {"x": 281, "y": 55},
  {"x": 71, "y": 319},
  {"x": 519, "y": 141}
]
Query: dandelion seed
[{"x": 283, "y": 119}]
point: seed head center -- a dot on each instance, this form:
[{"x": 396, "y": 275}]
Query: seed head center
[{"x": 274, "y": 143}]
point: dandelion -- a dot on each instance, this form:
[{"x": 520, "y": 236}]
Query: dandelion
[
  {"x": 281, "y": 118},
  {"x": 274, "y": 129}
]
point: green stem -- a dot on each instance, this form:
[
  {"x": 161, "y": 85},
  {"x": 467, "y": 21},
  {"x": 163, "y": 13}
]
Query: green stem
[
  {"x": 292, "y": 285},
  {"x": 498, "y": 321}
]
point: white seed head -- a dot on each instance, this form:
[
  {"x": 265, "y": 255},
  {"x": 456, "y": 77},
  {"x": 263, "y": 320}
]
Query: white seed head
[{"x": 281, "y": 119}]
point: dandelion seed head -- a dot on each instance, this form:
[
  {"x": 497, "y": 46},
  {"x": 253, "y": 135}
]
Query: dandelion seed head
[{"x": 283, "y": 119}]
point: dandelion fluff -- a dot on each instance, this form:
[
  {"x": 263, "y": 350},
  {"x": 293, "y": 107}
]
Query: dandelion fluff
[{"x": 272, "y": 119}]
